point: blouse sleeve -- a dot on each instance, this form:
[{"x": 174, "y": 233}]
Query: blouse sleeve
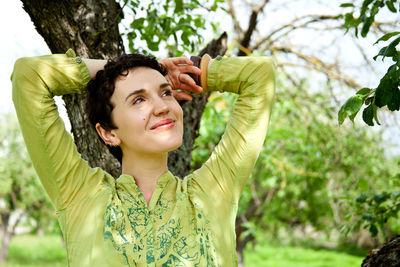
[
  {"x": 62, "y": 171},
  {"x": 225, "y": 172}
]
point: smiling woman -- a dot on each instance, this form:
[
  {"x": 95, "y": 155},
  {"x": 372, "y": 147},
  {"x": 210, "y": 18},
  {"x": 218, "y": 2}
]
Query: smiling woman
[
  {"x": 143, "y": 105},
  {"x": 146, "y": 217}
]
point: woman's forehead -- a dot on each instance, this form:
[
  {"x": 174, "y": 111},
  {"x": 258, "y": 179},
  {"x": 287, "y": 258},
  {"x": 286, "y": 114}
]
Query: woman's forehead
[{"x": 140, "y": 78}]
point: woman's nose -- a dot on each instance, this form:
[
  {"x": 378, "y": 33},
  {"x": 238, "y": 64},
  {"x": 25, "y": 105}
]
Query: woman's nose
[{"x": 160, "y": 107}]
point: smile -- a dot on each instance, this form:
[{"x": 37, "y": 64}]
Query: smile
[{"x": 163, "y": 125}]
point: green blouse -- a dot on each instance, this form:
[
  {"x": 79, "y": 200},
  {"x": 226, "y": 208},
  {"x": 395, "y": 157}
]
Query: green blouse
[{"x": 106, "y": 222}]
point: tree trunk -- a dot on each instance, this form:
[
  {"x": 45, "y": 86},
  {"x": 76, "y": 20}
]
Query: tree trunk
[
  {"x": 7, "y": 233},
  {"x": 6, "y": 236},
  {"x": 91, "y": 29},
  {"x": 241, "y": 241},
  {"x": 386, "y": 256}
]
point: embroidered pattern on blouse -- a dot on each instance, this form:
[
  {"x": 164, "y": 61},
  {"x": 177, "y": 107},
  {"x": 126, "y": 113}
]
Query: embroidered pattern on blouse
[{"x": 174, "y": 233}]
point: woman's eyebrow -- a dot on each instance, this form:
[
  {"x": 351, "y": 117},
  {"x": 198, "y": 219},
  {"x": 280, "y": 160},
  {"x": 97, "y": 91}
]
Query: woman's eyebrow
[
  {"x": 163, "y": 85},
  {"x": 135, "y": 93},
  {"x": 140, "y": 91}
]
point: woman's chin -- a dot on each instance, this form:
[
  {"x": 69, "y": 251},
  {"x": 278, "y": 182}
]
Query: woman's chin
[
  {"x": 175, "y": 146},
  {"x": 167, "y": 145}
]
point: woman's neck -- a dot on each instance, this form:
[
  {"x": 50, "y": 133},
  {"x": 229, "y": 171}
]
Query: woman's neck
[{"x": 145, "y": 169}]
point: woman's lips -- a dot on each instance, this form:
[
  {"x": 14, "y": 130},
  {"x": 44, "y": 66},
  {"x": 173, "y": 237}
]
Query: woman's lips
[{"x": 163, "y": 124}]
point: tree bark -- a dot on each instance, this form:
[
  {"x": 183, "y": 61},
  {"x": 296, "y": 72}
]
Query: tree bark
[
  {"x": 385, "y": 256},
  {"x": 6, "y": 237},
  {"x": 91, "y": 29}
]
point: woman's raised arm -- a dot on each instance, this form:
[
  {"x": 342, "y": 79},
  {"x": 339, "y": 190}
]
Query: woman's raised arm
[
  {"x": 94, "y": 65},
  {"x": 64, "y": 174},
  {"x": 230, "y": 164}
]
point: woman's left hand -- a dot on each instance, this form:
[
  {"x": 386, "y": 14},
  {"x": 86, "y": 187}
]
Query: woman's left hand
[{"x": 178, "y": 69}]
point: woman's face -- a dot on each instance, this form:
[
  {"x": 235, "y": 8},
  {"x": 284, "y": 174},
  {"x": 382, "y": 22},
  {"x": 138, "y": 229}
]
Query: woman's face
[{"x": 147, "y": 116}]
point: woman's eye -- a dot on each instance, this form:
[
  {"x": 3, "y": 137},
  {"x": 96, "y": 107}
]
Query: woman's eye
[
  {"x": 137, "y": 100},
  {"x": 167, "y": 93}
]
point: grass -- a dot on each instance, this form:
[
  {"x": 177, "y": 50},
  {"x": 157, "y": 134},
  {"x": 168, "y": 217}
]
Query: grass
[
  {"x": 290, "y": 256},
  {"x": 36, "y": 251},
  {"x": 46, "y": 251}
]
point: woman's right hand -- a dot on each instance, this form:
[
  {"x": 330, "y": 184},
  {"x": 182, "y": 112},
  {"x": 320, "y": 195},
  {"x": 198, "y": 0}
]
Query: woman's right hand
[{"x": 178, "y": 69}]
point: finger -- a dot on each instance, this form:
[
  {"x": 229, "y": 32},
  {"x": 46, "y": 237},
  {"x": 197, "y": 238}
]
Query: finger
[
  {"x": 185, "y": 78},
  {"x": 168, "y": 79},
  {"x": 189, "y": 69},
  {"x": 190, "y": 88},
  {"x": 182, "y": 96},
  {"x": 181, "y": 60},
  {"x": 188, "y": 84}
]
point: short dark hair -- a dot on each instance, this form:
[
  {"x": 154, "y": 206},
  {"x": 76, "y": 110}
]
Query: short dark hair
[{"x": 100, "y": 90}]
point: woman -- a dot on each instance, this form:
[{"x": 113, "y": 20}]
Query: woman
[{"x": 146, "y": 217}]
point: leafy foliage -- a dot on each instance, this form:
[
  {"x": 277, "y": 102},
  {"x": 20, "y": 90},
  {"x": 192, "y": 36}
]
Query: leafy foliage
[
  {"x": 20, "y": 189},
  {"x": 212, "y": 126},
  {"x": 373, "y": 210},
  {"x": 387, "y": 93},
  {"x": 309, "y": 171},
  {"x": 368, "y": 10},
  {"x": 175, "y": 25}
]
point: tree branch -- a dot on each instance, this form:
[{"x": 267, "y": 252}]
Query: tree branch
[
  {"x": 291, "y": 27},
  {"x": 315, "y": 64},
  {"x": 252, "y": 25}
]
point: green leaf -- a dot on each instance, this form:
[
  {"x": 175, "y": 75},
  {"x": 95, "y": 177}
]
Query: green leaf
[
  {"x": 344, "y": 230},
  {"x": 367, "y": 24},
  {"x": 175, "y": 37},
  {"x": 375, "y": 108},
  {"x": 387, "y": 36},
  {"x": 366, "y": 3},
  {"x": 153, "y": 46},
  {"x": 390, "y": 50},
  {"x": 350, "y": 21},
  {"x": 214, "y": 26},
  {"x": 350, "y": 108},
  {"x": 369, "y": 100},
  {"x": 390, "y": 6},
  {"x": 362, "y": 198},
  {"x": 383, "y": 93},
  {"x": 347, "y": 5},
  {"x": 137, "y": 23},
  {"x": 364, "y": 91},
  {"x": 198, "y": 22},
  {"x": 178, "y": 5},
  {"x": 368, "y": 115},
  {"x": 373, "y": 230},
  {"x": 348, "y": 217},
  {"x": 363, "y": 184},
  {"x": 368, "y": 217},
  {"x": 394, "y": 102},
  {"x": 185, "y": 38},
  {"x": 379, "y": 198},
  {"x": 178, "y": 53},
  {"x": 394, "y": 43}
]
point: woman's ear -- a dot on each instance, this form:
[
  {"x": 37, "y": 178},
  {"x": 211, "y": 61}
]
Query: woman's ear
[{"x": 108, "y": 136}]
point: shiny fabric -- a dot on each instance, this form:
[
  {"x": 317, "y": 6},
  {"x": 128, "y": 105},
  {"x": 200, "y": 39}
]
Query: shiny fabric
[{"x": 106, "y": 222}]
